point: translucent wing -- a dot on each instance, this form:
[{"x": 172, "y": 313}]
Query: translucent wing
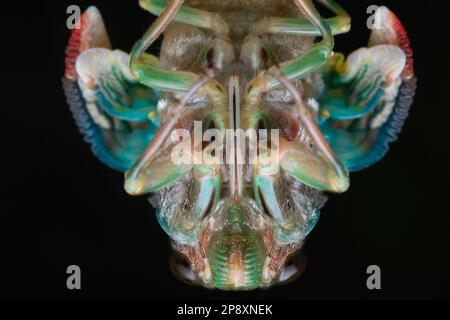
[
  {"x": 365, "y": 99},
  {"x": 116, "y": 114}
]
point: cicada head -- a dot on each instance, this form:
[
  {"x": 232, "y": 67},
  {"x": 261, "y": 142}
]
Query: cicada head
[{"x": 241, "y": 245}]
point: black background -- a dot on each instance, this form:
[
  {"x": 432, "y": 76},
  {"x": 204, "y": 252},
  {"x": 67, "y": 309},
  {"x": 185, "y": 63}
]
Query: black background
[{"x": 67, "y": 208}]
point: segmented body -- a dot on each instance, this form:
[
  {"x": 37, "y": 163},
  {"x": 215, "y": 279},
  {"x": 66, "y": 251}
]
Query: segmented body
[
  {"x": 237, "y": 225},
  {"x": 239, "y": 57}
]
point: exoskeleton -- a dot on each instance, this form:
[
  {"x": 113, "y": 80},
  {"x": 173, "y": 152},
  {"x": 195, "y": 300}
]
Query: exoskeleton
[{"x": 250, "y": 65}]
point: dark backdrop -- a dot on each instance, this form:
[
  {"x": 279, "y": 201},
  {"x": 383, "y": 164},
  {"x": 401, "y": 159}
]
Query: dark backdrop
[{"x": 67, "y": 208}]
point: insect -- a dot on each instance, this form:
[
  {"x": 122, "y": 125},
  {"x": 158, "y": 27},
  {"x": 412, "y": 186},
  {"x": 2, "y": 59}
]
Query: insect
[{"x": 228, "y": 65}]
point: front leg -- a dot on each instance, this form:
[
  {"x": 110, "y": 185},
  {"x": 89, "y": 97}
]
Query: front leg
[{"x": 155, "y": 169}]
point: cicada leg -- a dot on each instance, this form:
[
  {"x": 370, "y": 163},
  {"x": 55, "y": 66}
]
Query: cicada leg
[
  {"x": 314, "y": 165},
  {"x": 303, "y": 27},
  {"x": 146, "y": 67},
  {"x": 335, "y": 176},
  {"x": 288, "y": 228},
  {"x": 203, "y": 193},
  {"x": 155, "y": 170},
  {"x": 302, "y": 66},
  {"x": 195, "y": 17}
]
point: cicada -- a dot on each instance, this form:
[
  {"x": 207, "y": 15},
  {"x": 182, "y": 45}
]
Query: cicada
[{"x": 254, "y": 66}]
